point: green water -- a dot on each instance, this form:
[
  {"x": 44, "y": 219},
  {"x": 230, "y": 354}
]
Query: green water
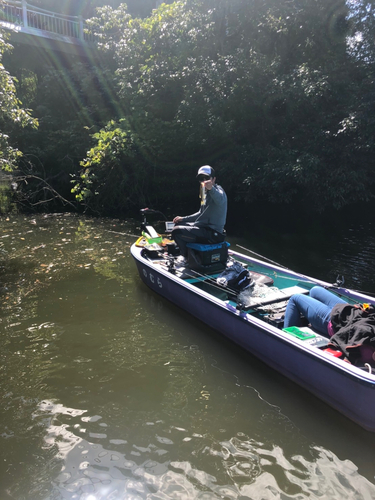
[{"x": 110, "y": 392}]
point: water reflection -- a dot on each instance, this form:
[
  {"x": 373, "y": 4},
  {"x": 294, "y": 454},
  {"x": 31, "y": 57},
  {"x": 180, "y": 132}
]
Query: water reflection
[{"x": 110, "y": 392}]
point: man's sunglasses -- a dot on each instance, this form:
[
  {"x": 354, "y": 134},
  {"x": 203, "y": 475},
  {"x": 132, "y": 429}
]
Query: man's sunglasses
[{"x": 202, "y": 178}]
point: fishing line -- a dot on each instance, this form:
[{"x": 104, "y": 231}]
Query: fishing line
[
  {"x": 122, "y": 234},
  {"x": 262, "y": 257},
  {"x": 331, "y": 286},
  {"x": 204, "y": 278},
  {"x": 212, "y": 282},
  {"x": 307, "y": 280},
  {"x": 238, "y": 383}
]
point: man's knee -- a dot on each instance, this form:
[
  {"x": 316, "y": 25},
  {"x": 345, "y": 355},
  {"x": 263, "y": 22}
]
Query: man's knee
[
  {"x": 177, "y": 230},
  {"x": 181, "y": 232}
]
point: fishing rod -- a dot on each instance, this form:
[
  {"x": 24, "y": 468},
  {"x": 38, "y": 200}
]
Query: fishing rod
[
  {"x": 236, "y": 293},
  {"x": 204, "y": 278},
  {"x": 146, "y": 211},
  {"x": 122, "y": 234},
  {"x": 339, "y": 281},
  {"x": 262, "y": 257},
  {"x": 308, "y": 280},
  {"x": 338, "y": 284},
  {"x": 263, "y": 301}
]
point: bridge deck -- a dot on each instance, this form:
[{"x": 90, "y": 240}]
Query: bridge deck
[{"x": 19, "y": 16}]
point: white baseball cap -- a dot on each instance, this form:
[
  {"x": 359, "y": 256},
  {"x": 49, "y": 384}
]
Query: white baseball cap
[{"x": 206, "y": 170}]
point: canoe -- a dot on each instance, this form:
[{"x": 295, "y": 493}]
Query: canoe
[{"x": 255, "y": 323}]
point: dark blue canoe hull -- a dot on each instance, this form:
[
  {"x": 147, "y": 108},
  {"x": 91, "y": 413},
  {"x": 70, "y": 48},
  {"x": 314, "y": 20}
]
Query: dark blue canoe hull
[{"x": 346, "y": 388}]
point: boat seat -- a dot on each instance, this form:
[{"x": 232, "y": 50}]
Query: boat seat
[
  {"x": 207, "y": 258},
  {"x": 207, "y": 247}
]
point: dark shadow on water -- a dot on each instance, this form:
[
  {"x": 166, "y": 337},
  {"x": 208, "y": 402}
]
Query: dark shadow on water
[{"x": 324, "y": 246}]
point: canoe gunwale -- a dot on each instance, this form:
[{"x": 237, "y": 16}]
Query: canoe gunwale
[{"x": 261, "y": 335}]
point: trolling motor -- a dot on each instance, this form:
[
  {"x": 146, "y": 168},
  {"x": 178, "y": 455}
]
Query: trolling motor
[
  {"x": 153, "y": 237},
  {"x": 145, "y": 212},
  {"x": 148, "y": 231}
]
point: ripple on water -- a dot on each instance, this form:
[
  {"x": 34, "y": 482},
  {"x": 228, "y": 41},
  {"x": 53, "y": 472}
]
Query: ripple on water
[
  {"x": 245, "y": 468},
  {"x": 109, "y": 392}
]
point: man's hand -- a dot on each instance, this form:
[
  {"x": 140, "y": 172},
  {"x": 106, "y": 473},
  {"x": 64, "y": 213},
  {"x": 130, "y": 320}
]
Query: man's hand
[
  {"x": 177, "y": 219},
  {"x": 208, "y": 184}
]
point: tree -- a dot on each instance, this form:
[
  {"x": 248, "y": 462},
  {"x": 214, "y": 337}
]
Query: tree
[
  {"x": 115, "y": 175},
  {"x": 71, "y": 104},
  {"x": 158, "y": 92},
  {"x": 262, "y": 88},
  {"x": 12, "y": 114}
]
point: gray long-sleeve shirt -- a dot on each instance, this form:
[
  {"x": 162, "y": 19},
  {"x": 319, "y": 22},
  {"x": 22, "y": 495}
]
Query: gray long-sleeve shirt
[{"x": 213, "y": 213}]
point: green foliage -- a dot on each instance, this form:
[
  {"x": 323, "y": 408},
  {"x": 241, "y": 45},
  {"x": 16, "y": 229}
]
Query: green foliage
[
  {"x": 12, "y": 115},
  {"x": 71, "y": 103},
  {"x": 276, "y": 94},
  {"x": 265, "y": 89},
  {"x": 112, "y": 179}
]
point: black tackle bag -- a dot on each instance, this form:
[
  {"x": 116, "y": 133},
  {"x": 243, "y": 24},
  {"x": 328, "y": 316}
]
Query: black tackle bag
[{"x": 235, "y": 278}]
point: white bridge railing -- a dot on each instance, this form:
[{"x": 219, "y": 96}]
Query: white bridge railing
[{"x": 20, "y": 13}]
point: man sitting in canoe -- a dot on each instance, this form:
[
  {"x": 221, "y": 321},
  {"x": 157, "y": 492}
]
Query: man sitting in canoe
[{"x": 206, "y": 225}]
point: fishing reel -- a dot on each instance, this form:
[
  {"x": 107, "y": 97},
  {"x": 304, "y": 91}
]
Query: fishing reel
[
  {"x": 340, "y": 280},
  {"x": 148, "y": 232}
]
